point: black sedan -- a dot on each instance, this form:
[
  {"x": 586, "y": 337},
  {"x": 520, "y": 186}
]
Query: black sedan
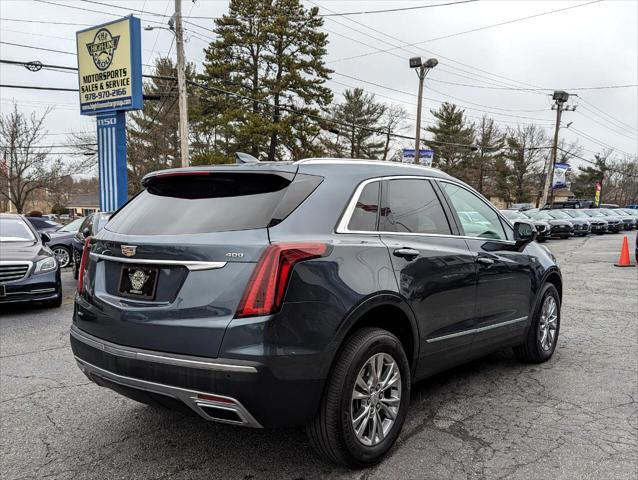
[
  {"x": 559, "y": 228},
  {"x": 29, "y": 271},
  {"x": 88, "y": 228},
  {"x": 43, "y": 224},
  {"x": 543, "y": 228},
  {"x": 61, "y": 242}
]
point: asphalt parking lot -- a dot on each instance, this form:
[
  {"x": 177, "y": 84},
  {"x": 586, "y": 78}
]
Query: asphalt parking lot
[{"x": 573, "y": 417}]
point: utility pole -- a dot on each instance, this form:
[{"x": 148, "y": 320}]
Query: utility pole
[
  {"x": 181, "y": 85},
  {"x": 560, "y": 98},
  {"x": 422, "y": 70}
]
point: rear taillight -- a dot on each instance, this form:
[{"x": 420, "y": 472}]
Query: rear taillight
[
  {"x": 267, "y": 285},
  {"x": 83, "y": 264}
]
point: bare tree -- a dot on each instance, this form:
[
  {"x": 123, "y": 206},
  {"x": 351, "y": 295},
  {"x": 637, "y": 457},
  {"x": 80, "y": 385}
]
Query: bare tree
[
  {"x": 527, "y": 147},
  {"x": 392, "y": 122}
]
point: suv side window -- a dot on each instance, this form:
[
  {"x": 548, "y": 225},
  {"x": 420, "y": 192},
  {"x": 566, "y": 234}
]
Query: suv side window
[
  {"x": 412, "y": 206},
  {"x": 364, "y": 216},
  {"x": 477, "y": 218}
]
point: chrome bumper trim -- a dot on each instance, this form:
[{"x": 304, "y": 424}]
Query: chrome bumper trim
[
  {"x": 189, "y": 397},
  {"x": 39, "y": 291},
  {"x": 158, "y": 357},
  {"x": 190, "y": 264}
]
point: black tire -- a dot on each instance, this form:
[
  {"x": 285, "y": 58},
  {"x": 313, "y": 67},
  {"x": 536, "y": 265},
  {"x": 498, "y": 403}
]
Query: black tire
[
  {"x": 564, "y": 237},
  {"x": 531, "y": 350},
  {"x": 541, "y": 240},
  {"x": 331, "y": 432},
  {"x": 68, "y": 252}
]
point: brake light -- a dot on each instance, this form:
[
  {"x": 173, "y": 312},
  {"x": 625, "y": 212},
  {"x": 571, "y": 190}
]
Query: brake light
[
  {"x": 267, "y": 285},
  {"x": 83, "y": 264}
]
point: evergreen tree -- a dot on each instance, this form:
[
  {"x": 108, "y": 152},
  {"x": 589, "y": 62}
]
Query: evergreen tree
[
  {"x": 270, "y": 53},
  {"x": 451, "y": 133},
  {"x": 356, "y": 120},
  {"x": 152, "y": 139},
  {"x": 490, "y": 142}
]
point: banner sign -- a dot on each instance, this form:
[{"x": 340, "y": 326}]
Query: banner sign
[
  {"x": 110, "y": 67},
  {"x": 425, "y": 156},
  {"x": 597, "y": 197},
  {"x": 560, "y": 175}
]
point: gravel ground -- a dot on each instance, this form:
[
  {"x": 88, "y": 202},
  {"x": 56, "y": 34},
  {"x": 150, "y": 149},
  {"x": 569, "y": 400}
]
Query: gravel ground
[{"x": 573, "y": 417}]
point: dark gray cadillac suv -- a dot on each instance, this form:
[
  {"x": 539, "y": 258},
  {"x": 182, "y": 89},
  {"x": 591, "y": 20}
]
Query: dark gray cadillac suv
[{"x": 310, "y": 293}]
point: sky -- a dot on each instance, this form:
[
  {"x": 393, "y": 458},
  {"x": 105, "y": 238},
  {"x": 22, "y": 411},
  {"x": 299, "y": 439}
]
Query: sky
[{"x": 507, "y": 71}]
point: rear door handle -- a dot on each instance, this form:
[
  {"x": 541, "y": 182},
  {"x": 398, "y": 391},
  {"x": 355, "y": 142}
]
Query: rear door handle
[
  {"x": 485, "y": 261},
  {"x": 407, "y": 253}
]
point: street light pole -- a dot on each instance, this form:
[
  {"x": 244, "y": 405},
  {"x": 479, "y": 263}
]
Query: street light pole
[
  {"x": 422, "y": 70},
  {"x": 181, "y": 85},
  {"x": 559, "y": 97}
]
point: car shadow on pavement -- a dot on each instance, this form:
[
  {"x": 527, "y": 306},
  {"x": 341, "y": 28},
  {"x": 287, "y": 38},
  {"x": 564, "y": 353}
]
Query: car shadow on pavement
[{"x": 188, "y": 447}]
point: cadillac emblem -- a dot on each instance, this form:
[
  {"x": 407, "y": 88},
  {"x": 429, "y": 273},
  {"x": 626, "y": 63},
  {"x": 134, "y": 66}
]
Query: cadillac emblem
[
  {"x": 103, "y": 48},
  {"x": 128, "y": 250},
  {"x": 138, "y": 279}
]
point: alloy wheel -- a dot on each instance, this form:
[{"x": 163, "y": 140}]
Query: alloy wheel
[
  {"x": 376, "y": 398},
  {"x": 548, "y": 324},
  {"x": 63, "y": 256}
]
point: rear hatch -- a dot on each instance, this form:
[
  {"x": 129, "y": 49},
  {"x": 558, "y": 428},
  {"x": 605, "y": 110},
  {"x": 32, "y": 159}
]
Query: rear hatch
[{"x": 168, "y": 271}]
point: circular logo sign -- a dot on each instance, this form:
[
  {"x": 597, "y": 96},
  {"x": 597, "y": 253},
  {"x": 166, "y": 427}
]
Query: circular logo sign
[{"x": 103, "y": 48}]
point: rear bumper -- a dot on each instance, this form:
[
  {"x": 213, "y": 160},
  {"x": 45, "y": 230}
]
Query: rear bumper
[{"x": 228, "y": 391}]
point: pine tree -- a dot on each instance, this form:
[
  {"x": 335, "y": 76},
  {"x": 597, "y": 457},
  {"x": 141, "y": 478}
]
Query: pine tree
[
  {"x": 356, "y": 120},
  {"x": 451, "y": 133},
  {"x": 271, "y": 55},
  {"x": 490, "y": 142},
  {"x": 152, "y": 139}
]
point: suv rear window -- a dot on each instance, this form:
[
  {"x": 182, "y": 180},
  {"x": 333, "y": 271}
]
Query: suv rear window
[{"x": 215, "y": 202}]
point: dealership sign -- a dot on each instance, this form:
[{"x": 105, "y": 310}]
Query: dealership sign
[
  {"x": 110, "y": 83},
  {"x": 560, "y": 175},
  {"x": 425, "y": 156},
  {"x": 110, "y": 67}
]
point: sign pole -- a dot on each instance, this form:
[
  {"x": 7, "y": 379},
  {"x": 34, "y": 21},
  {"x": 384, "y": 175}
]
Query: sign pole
[{"x": 112, "y": 173}]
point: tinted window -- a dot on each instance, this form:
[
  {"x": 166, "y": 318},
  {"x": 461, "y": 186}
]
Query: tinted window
[
  {"x": 477, "y": 218},
  {"x": 364, "y": 217},
  {"x": 412, "y": 206},
  {"x": 14, "y": 230},
  {"x": 216, "y": 202}
]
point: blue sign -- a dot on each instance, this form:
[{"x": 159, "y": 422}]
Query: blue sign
[
  {"x": 425, "y": 156},
  {"x": 111, "y": 155}
]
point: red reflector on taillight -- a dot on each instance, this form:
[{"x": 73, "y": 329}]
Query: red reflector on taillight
[
  {"x": 267, "y": 285},
  {"x": 83, "y": 264},
  {"x": 214, "y": 398}
]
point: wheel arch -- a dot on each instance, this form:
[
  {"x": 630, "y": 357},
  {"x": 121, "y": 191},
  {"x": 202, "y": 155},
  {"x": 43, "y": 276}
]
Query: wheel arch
[{"x": 374, "y": 312}]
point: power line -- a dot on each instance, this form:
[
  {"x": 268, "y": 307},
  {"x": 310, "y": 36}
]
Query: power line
[
  {"x": 33, "y": 87},
  {"x": 22, "y": 20},
  {"x": 629, "y": 127},
  {"x": 550, "y": 12},
  {"x": 389, "y": 10},
  {"x": 37, "y": 48}
]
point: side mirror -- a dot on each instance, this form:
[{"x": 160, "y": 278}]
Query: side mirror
[
  {"x": 46, "y": 238},
  {"x": 86, "y": 232},
  {"x": 524, "y": 233}
]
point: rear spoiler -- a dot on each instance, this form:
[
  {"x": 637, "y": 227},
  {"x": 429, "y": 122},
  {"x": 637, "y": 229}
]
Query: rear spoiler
[{"x": 241, "y": 157}]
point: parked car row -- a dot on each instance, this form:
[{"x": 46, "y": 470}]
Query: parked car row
[{"x": 567, "y": 222}]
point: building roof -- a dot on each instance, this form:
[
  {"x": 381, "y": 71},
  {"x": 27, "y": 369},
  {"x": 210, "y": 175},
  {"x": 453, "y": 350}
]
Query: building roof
[{"x": 87, "y": 200}]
